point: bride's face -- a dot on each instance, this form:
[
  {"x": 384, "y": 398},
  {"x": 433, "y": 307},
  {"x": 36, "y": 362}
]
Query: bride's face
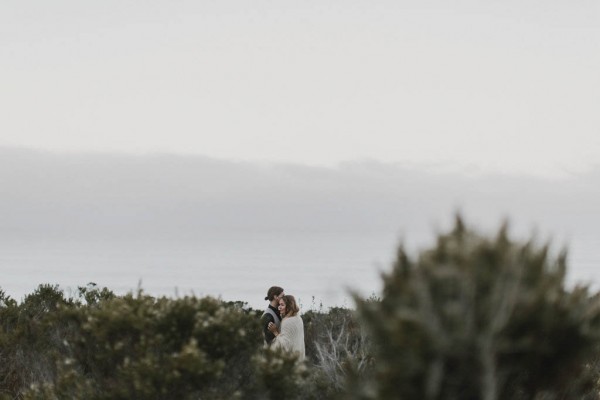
[{"x": 281, "y": 307}]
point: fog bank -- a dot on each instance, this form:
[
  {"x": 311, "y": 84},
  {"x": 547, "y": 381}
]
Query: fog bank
[{"x": 96, "y": 195}]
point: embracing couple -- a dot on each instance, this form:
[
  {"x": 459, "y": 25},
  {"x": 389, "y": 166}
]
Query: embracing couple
[{"x": 282, "y": 326}]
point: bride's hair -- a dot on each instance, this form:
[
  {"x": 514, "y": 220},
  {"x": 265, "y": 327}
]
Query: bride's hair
[{"x": 291, "y": 307}]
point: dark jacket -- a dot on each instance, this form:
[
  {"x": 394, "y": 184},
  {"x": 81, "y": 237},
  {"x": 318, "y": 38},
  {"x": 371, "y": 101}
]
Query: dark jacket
[{"x": 266, "y": 318}]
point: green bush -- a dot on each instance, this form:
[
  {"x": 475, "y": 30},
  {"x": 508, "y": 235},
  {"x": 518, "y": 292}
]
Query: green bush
[
  {"x": 30, "y": 339},
  {"x": 479, "y": 318},
  {"x": 280, "y": 375},
  {"x": 142, "y": 347}
]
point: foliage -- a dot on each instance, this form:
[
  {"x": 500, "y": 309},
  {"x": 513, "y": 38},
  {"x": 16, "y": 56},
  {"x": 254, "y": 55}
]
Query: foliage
[
  {"x": 100, "y": 346},
  {"x": 478, "y": 318},
  {"x": 280, "y": 375},
  {"x": 338, "y": 347},
  {"x": 29, "y": 339}
]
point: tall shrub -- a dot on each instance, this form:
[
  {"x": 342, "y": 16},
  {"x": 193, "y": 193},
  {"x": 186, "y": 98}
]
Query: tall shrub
[
  {"x": 30, "y": 338},
  {"x": 481, "y": 318}
]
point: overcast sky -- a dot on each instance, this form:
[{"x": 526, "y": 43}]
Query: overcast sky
[{"x": 490, "y": 86}]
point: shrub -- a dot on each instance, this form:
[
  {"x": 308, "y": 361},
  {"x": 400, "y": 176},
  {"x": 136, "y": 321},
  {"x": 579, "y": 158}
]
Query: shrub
[
  {"x": 280, "y": 375},
  {"x": 30, "y": 340},
  {"x": 142, "y": 347},
  {"x": 338, "y": 348},
  {"x": 478, "y": 318}
]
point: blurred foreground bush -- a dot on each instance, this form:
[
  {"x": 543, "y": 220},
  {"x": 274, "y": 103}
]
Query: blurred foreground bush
[{"x": 482, "y": 318}]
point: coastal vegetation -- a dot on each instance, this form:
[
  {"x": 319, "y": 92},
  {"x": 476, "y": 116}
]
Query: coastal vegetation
[{"x": 473, "y": 317}]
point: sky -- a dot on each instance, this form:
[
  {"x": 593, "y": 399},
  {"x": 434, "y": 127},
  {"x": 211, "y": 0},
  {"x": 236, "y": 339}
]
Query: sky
[
  {"x": 143, "y": 125},
  {"x": 486, "y": 86}
]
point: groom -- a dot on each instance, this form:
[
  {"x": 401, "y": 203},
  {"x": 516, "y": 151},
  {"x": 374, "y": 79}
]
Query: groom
[{"x": 271, "y": 314}]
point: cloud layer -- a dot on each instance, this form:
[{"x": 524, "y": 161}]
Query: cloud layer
[{"x": 111, "y": 195}]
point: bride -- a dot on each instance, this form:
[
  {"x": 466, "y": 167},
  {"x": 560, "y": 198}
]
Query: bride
[{"x": 291, "y": 337}]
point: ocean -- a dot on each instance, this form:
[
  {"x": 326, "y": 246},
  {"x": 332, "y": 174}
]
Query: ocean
[{"x": 320, "y": 269}]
